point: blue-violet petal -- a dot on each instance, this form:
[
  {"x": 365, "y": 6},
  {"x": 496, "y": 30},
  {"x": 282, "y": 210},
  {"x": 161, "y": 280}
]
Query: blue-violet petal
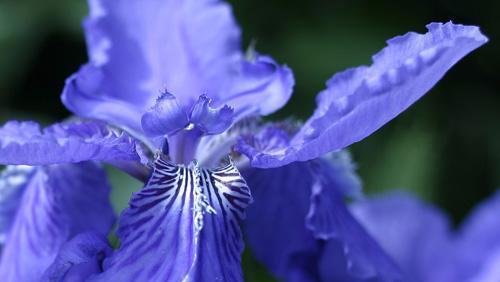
[
  {"x": 59, "y": 202},
  {"x": 416, "y": 235},
  {"x": 25, "y": 143},
  {"x": 182, "y": 226},
  {"x": 360, "y": 100},
  {"x": 211, "y": 120},
  {"x": 13, "y": 180},
  {"x": 303, "y": 202},
  {"x": 165, "y": 117},
  {"x": 189, "y": 47},
  {"x": 78, "y": 259}
]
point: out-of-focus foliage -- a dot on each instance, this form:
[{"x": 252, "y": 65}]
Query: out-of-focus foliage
[
  {"x": 446, "y": 148},
  {"x": 40, "y": 44}
]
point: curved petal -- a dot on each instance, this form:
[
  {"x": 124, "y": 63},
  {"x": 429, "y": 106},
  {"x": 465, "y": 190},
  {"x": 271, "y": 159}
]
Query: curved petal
[
  {"x": 360, "y": 100},
  {"x": 263, "y": 143},
  {"x": 211, "y": 149},
  {"x": 490, "y": 269},
  {"x": 188, "y": 47},
  {"x": 12, "y": 184},
  {"x": 211, "y": 120},
  {"x": 275, "y": 224},
  {"x": 59, "y": 202},
  {"x": 329, "y": 219},
  {"x": 415, "y": 234},
  {"x": 24, "y": 143},
  {"x": 78, "y": 259},
  {"x": 477, "y": 251},
  {"x": 182, "y": 226},
  {"x": 165, "y": 117},
  {"x": 303, "y": 202},
  {"x": 85, "y": 95},
  {"x": 261, "y": 87}
]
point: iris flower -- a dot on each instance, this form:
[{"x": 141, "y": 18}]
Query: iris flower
[
  {"x": 169, "y": 97},
  {"x": 421, "y": 240}
]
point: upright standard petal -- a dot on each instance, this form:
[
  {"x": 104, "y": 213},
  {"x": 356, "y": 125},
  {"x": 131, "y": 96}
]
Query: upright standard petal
[
  {"x": 25, "y": 143},
  {"x": 78, "y": 259},
  {"x": 182, "y": 226},
  {"x": 303, "y": 202},
  {"x": 191, "y": 47},
  {"x": 260, "y": 88},
  {"x": 59, "y": 202},
  {"x": 416, "y": 235},
  {"x": 360, "y": 100}
]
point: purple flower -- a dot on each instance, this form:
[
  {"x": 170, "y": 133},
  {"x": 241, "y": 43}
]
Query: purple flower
[
  {"x": 420, "y": 238},
  {"x": 305, "y": 229},
  {"x": 168, "y": 95},
  {"x": 54, "y": 203}
]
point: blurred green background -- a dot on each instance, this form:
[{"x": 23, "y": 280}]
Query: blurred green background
[{"x": 446, "y": 148}]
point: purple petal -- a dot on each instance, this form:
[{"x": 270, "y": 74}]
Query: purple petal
[
  {"x": 12, "y": 184},
  {"x": 477, "y": 255},
  {"x": 299, "y": 210},
  {"x": 85, "y": 94},
  {"x": 269, "y": 138},
  {"x": 182, "y": 226},
  {"x": 262, "y": 87},
  {"x": 264, "y": 142},
  {"x": 24, "y": 143},
  {"x": 329, "y": 218},
  {"x": 78, "y": 259},
  {"x": 165, "y": 117},
  {"x": 275, "y": 224},
  {"x": 415, "y": 234},
  {"x": 212, "y": 149},
  {"x": 360, "y": 100},
  {"x": 211, "y": 120},
  {"x": 59, "y": 202},
  {"x": 189, "y": 47}
]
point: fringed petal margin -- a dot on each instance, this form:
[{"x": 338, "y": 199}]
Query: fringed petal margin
[
  {"x": 24, "y": 143},
  {"x": 360, "y": 100},
  {"x": 192, "y": 47}
]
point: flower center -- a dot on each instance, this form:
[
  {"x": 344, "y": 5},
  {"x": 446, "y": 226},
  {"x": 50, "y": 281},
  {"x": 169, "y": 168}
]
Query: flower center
[{"x": 184, "y": 128}]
